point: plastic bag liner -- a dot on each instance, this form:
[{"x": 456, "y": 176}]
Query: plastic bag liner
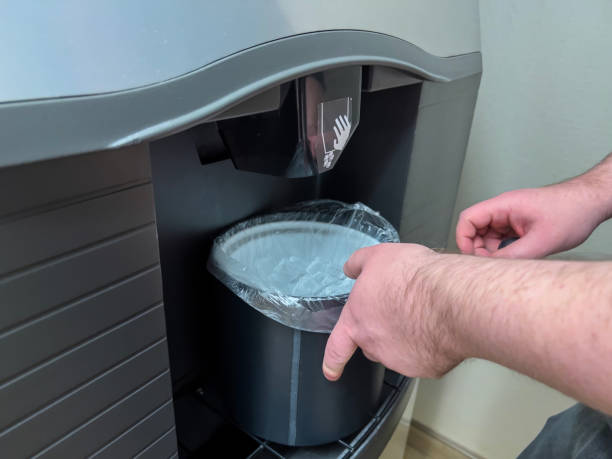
[{"x": 288, "y": 265}]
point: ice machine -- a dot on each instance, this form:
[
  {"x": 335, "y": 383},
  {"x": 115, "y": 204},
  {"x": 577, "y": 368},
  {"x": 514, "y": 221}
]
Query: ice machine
[{"x": 134, "y": 133}]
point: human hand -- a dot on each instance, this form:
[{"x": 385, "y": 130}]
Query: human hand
[
  {"x": 394, "y": 314},
  {"x": 546, "y": 220}
]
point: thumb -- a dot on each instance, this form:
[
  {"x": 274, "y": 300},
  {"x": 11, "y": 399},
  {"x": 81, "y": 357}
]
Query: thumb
[
  {"x": 531, "y": 245},
  {"x": 338, "y": 351},
  {"x": 354, "y": 265}
]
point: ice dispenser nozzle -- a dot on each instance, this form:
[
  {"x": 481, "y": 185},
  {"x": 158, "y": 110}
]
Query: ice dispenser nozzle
[{"x": 307, "y": 132}]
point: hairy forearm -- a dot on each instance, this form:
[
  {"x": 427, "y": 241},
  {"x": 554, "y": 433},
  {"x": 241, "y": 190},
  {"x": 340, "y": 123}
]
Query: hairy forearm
[
  {"x": 551, "y": 320},
  {"x": 595, "y": 185}
]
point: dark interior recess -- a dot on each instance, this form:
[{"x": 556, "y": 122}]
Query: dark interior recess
[{"x": 199, "y": 193}]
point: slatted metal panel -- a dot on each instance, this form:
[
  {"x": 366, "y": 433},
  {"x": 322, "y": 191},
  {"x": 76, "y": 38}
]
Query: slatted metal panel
[
  {"x": 82, "y": 332},
  {"x": 161, "y": 448},
  {"x": 134, "y": 440}
]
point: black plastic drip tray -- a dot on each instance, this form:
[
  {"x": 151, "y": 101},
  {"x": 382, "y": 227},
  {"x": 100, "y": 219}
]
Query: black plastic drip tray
[{"x": 203, "y": 432}]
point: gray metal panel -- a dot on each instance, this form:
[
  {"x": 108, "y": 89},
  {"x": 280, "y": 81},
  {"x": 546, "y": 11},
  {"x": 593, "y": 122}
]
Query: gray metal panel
[
  {"x": 437, "y": 160},
  {"x": 42, "y": 288},
  {"x": 68, "y": 326},
  {"x": 94, "y": 434},
  {"x": 162, "y": 448},
  {"x": 137, "y": 437},
  {"x": 41, "y": 184},
  {"x": 73, "y": 409},
  {"x": 82, "y": 327},
  {"x": 41, "y": 385},
  {"x": 47, "y": 234},
  {"x": 80, "y": 124},
  {"x": 69, "y": 48}
]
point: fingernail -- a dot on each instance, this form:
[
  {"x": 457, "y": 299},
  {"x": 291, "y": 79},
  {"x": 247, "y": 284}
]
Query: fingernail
[{"x": 330, "y": 374}]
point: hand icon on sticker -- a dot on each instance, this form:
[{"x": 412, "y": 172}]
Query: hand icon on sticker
[
  {"x": 342, "y": 130},
  {"x": 335, "y": 124}
]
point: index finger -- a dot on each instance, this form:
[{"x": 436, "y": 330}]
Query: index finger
[{"x": 338, "y": 351}]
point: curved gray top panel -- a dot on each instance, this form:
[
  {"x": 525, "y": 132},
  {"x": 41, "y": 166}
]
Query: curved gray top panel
[
  {"x": 71, "y": 47},
  {"x": 38, "y": 130}
]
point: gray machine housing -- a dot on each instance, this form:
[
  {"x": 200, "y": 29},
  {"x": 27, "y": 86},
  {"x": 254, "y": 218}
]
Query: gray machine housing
[{"x": 107, "y": 215}]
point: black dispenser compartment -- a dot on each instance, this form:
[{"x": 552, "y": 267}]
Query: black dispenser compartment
[
  {"x": 199, "y": 193},
  {"x": 297, "y": 138}
]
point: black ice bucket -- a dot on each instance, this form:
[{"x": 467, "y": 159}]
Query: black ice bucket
[{"x": 280, "y": 294}]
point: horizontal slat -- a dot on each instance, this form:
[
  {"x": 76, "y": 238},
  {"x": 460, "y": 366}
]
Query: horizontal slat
[
  {"x": 68, "y": 326},
  {"x": 41, "y": 385},
  {"x": 107, "y": 425},
  {"x": 140, "y": 435},
  {"x": 44, "y": 427},
  {"x": 162, "y": 448},
  {"x": 47, "y": 182},
  {"x": 37, "y": 237},
  {"x": 39, "y": 290}
]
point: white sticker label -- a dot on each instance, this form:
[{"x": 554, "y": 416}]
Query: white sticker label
[{"x": 335, "y": 128}]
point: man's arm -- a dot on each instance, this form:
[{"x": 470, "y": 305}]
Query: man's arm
[
  {"x": 421, "y": 313},
  {"x": 551, "y": 320}
]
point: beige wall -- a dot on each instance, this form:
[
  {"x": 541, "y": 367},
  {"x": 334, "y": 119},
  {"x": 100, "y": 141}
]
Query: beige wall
[{"x": 544, "y": 113}]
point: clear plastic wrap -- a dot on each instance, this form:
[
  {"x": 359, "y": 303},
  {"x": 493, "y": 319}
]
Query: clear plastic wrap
[{"x": 288, "y": 264}]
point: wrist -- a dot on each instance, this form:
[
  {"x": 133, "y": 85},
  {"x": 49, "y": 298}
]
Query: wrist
[{"x": 593, "y": 190}]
